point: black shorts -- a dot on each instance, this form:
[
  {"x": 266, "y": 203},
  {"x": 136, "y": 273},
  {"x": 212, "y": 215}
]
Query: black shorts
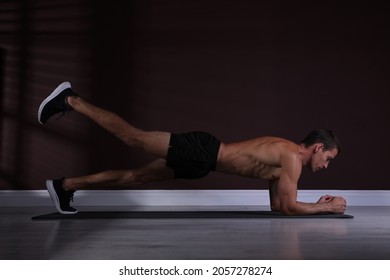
[{"x": 192, "y": 155}]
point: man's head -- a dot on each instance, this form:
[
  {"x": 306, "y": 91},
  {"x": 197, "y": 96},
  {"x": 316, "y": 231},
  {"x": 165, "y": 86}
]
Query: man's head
[{"x": 324, "y": 146}]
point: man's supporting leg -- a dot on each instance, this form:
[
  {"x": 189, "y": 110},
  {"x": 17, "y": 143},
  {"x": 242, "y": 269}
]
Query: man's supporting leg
[
  {"x": 61, "y": 191},
  {"x": 154, "y": 142},
  {"x": 122, "y": 179}
]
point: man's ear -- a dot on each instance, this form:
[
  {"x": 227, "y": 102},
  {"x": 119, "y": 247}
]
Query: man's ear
[{"x": 318, "y": 147}]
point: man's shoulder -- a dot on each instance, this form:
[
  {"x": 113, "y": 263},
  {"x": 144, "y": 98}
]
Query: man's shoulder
[
  {"x": 273, "y": 140},
  {"x": 289, "y": 151},
  {"x": 281, "y": 143}
]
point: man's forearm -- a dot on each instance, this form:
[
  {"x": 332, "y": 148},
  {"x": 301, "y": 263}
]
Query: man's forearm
[{"x": 303, "y": 208}]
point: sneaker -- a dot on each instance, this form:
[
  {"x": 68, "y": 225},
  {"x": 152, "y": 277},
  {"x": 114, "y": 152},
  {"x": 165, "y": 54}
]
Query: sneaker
[
  {"x": 60, "y": 197},
  {"x": 56, "y": 103}
]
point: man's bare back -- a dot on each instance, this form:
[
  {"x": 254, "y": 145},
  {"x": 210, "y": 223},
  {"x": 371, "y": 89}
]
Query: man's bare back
[{"x": 257, "y": 158}]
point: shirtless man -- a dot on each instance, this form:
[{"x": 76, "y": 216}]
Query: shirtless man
[{"x": 193, "y": 155}]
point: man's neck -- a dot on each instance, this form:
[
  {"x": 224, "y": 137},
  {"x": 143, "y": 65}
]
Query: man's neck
[{"x": 304, "y": 154}]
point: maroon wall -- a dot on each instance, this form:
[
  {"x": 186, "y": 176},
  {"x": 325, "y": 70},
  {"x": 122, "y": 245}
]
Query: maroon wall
[{"x": 236, "y": 69}]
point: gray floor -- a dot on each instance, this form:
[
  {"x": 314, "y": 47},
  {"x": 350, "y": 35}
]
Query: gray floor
[{"x": 365, "y": 237}]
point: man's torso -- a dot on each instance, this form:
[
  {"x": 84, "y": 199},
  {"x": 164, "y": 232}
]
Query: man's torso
[{"x": 257, "y": 158}]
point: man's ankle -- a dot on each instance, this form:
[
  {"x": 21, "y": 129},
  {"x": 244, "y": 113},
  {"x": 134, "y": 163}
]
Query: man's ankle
[
  {"x": 65, "y": 185},
  {"x": 71, "y": 100}
]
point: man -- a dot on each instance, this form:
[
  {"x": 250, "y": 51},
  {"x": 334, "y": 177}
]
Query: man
[{"x": 193, "y": 155}]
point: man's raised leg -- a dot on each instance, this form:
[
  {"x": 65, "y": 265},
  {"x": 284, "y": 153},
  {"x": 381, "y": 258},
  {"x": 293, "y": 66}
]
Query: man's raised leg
[
  {"x": 153, "y": 142},
  {"x": 63, "y": 100}
]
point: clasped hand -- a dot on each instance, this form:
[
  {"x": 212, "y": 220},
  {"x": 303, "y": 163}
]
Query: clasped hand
[{"x": 338, "y": 204}]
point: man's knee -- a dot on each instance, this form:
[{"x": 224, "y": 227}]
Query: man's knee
[
  {"x": 132, "y": 178},
  {"x": 121, "y": 177}
]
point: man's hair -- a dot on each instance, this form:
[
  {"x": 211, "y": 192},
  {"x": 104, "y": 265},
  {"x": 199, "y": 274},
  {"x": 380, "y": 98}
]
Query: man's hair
[{"x": 324, "y": 136}]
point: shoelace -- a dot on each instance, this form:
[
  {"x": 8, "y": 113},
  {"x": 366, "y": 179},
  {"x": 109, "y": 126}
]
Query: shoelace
[{"x": 69, "y": 197}]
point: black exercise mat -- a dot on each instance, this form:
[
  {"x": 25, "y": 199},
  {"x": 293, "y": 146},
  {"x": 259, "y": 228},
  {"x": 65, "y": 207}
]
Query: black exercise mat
[{"x": 182, "y": 215}]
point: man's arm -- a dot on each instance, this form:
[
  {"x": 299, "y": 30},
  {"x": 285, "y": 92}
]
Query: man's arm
[
  {"x": 274, "y": 196},
  {"x": 289, "y": 205},
  {"x": 287, "y": 193}
]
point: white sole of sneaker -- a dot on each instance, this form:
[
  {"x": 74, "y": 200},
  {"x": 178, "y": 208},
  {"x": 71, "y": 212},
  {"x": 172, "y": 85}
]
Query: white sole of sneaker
[
  {"x": 57, "y": 91},
  {"x": 54, "y": 197}
]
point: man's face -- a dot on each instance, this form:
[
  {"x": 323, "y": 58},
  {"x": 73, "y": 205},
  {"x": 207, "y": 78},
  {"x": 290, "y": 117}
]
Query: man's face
[{"x": 320, "y": 158}]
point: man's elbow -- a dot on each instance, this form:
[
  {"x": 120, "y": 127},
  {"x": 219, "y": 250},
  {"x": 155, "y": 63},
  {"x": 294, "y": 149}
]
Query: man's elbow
[
  {"x": 288, "y": 210},
  {"x": 285, "y": 209},
  {"x": 275, "y": 207}
]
